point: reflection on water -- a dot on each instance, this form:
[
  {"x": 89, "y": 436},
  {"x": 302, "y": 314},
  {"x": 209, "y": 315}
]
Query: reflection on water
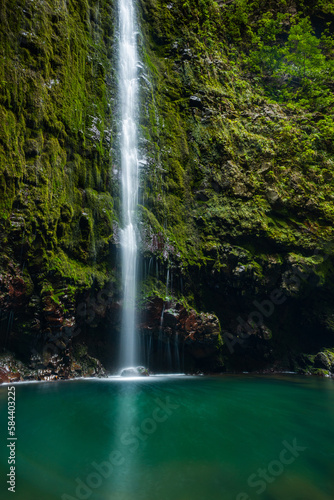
[
  {"x": 172, "y": 438},
  {"x": 125, "y": 441}
]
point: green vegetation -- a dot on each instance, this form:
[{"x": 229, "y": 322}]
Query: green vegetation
[
  {"x": 236, "y": 128},
  {"x": 55, "y": 138},
  {"x": 239, "y": 177}
]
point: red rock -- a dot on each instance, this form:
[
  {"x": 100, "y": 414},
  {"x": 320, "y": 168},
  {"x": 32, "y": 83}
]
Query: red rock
[
  {"x": 6, "y": 376},
  {"x": 3, "y": 376}
]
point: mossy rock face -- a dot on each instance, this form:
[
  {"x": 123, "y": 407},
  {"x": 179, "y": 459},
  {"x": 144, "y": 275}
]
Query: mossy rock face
[
  {"x": 324, "y": 360},
  {"x": 56, "y": 126},
  {"x": 236, "y": 172},
  {"x": 237, "y": 195}
]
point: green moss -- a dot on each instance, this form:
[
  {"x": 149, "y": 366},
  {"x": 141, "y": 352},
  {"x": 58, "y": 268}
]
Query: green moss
[
  {"x": 237, "y": 189},
  {"x": 81, "y": 275},
  {"x": 55, "y": 132},
  {"x": 320, "y": 372}
]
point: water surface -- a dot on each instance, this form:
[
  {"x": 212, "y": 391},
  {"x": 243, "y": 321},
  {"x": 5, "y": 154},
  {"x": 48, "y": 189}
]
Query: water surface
[{"x": 185, "y": 438}]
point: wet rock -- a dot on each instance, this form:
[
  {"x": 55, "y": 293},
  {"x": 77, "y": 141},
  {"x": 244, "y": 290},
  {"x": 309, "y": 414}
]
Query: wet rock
[
  {"x": 195, "y": 102},
  {"x": 138, "y": 371},
  {"x": 272, "y": 195},
  {"x": 187, "y": 55},
  {"x": 7, "y": 376},
  {"x": 322, "y": 361},
  {"x": 201, "y": 196},
  {"x": 197, "y": 333}
]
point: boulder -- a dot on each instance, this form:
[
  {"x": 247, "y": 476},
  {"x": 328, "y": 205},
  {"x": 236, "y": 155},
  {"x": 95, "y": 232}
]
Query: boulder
[
  {"x": 137, "y": 371},
  {"x": 322, "y": 361}
]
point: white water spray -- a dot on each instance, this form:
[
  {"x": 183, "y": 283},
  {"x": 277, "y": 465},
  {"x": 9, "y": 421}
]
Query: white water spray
[{"x": 128, "y": 92}]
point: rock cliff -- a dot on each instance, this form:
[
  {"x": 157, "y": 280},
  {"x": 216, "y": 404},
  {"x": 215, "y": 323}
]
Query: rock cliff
[{"x": 236, "y": 206}]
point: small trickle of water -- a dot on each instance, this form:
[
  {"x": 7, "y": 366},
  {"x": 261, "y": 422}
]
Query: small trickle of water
[
  {"x": 169, "y": 356},
  {"x": 177, "y": 353}
]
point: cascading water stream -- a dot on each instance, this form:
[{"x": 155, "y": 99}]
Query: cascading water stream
[{"x": 128, "y": 92}]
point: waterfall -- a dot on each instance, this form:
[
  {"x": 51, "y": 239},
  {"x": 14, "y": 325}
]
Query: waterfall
[{"x": 128, "y": 93}]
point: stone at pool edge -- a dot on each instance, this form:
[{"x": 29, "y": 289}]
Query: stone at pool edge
[
  {"x": 138, "y": 371},
  {"x": 7, "y": 376}
]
